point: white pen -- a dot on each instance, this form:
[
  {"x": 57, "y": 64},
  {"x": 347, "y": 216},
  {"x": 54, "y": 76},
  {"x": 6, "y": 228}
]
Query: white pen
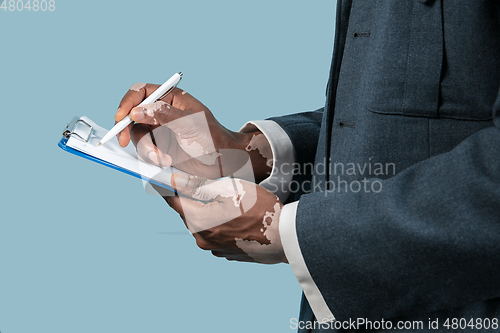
[{"x": 158, "y": 94}]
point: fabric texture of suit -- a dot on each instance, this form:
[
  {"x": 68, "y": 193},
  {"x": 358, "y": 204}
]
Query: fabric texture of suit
[{"x": 414, "y": 84}]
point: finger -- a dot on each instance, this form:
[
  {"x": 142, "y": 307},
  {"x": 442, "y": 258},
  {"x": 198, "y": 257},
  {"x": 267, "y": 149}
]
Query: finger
[
  {"x": 204, "y": 189},
  {"x": 205, "y": 244},
  {"x": 157, "y": 113},
  {"x": 181, "y": 99},
  {"x": 141, "y": 138},
  {"x": 219, "y": 252},
  {"x": 175, "y": 203},
  {"x": 222, "y": 199},
  {"x": 200, "y": 216},
  {"x": 193, "y": 213},
  {"x": 232, "y": 255},
  {"x": 124, "y": 135},
  {"x": 164, "y": 192},
  {"x": 198, "y": 188},
  {"x": 134, "y": 96}
]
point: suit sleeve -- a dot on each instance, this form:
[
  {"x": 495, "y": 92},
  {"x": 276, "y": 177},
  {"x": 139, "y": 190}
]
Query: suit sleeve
[
  {"x": 286, "y": 136},
  {"x": 429, "y": 240},
  {"x": 303, "y": 129}
]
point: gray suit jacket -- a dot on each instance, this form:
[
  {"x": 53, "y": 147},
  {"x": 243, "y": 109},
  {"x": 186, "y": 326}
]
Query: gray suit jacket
[{"x": 414, "y": 84}]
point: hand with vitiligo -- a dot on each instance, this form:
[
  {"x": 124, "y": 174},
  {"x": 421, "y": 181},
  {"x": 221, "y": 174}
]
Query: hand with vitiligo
[
  {"x": 233, "y": 218},
  {"x": 180, "y": 131}
]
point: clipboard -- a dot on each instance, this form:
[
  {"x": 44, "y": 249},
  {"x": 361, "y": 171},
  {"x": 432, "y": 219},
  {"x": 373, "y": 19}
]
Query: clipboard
[{"x": 81, "y": 138}]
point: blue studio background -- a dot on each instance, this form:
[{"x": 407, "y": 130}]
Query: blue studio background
[{"x": 84, "y": 248}]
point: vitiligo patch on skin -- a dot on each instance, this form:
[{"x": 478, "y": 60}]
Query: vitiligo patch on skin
[
  {"x": 227, "y": 196},
  {"x": 260, "y": 143},
  {"x": 183, "y": 92},
  {"x": 151, "y": 109},
  {"x": 225, "y": 188},
  {"x": 263, "y": 253},
  {"x": 194, "y": 137},
  {"x": 196, "y": 150},
  {"x": 236, "y": 194},
  {"x": 192, "y": 147},
  {"x": 137, "y": 86}
]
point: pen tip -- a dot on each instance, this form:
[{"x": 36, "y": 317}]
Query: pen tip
[
  {"x": 180, "y": 73},
  {"x": 99, "y": 144}
]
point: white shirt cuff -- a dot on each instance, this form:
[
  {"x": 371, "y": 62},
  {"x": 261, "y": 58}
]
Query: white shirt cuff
[
  {"x": 283, "y": 159},
  {"x": 278, "y": 183},
  {"x": 290, "y": 242}
]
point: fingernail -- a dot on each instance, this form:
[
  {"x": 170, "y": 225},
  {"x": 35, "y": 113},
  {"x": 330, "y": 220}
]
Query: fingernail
[
  {"x": 153, "y": 156},
  {"x": 137, "y": 114},
  {"x": 160, "y": 160},
  {"x": 166, "y": 160},
  {"x": 180, "y": 180}
]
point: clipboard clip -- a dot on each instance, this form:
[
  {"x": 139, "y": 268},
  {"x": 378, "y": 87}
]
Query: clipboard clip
[{"x": 70, "y": 129}]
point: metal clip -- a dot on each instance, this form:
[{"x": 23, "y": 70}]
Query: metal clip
[{"x": 70, "y": 129}]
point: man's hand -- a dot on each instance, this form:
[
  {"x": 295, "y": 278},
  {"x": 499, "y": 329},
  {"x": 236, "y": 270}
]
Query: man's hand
[
  {"x": 180, "y": 131},
  {"x": 233, "y": 218}
]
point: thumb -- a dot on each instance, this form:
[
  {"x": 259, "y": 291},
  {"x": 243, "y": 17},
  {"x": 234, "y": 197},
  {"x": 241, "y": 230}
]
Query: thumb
[
  {"x": 157, "y": 113},
  {"x": 204, "y": 189},
  {"x": 192, "y": 186}
]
